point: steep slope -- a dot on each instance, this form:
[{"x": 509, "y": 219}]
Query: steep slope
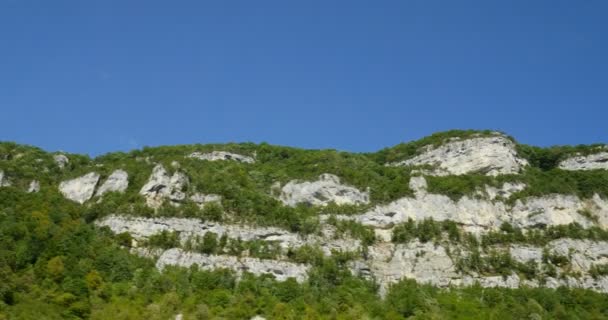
[{"x": 451, "y": 210}]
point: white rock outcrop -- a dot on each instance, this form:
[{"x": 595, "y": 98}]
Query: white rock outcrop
[
  {"x": 590, "y": 162},
  {"x": 281, "y": 270},
  {"x": 492, "y": 155},
  {"x": 34, "y": 186},
  {"x": 202, "y": 199},
  {"x": 388, "y": 263},
  {"x": 80, "y": 189},
  {"x": 321, "y": 192},
  {"x": 161, "y": 186},
  {"x": 118, "y": 181},
  {"x": 221, "y": 156},
  {"x": 3, "y": 180},
  {"x": 61, "y": 160}
]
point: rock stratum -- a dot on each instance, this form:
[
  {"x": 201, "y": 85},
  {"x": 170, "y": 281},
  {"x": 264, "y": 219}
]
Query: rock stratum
[{"x": 254, "y": 196}]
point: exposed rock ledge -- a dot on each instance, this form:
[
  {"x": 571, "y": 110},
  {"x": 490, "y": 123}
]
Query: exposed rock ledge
[
  {"x": 493, "y": 155},
  {"x": 142, "y": 228},
  {"x": 321, "y": 192},
  {"x": 590, "y": 162},
  {"x": 478, "y": 215},
  {"x": 281, "y": 270},
  {"x": 221, "y": 155}
]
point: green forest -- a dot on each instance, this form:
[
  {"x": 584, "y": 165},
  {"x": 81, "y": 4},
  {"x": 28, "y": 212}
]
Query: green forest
[{"x": 55, "y": 264}]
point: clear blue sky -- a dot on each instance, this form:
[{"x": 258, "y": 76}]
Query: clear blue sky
[{"x": 102, "y": 75}]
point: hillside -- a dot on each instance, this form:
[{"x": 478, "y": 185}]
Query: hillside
[{"x": 460, "y": 224}]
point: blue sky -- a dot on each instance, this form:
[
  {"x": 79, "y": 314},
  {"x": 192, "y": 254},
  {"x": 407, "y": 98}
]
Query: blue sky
[{"x": 98, "y": 76}]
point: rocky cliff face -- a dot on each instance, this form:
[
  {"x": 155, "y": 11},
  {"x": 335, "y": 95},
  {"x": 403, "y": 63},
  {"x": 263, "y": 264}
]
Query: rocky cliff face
[
  {"x": 436, "y": 264},
  {"x": 83, "y": 188},
  {"x": 487, "y": 155},
  {"x": 321, "y": 192},
  {"x": 162, "y": 186},
  {"x": 482, "y": 214},
  {"x": 387, "y": 262},
  {"x": 380, "y": 258}
]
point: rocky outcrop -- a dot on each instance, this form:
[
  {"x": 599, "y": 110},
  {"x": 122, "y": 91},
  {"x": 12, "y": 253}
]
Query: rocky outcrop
[
  {"x": 221, "y": 156},
  {"x": 161, "y": 186},
  {"x": 281, "y": 270},
  {"x": 61, "y": 160},
  {"x": 118, "y": 181},
  {"x": 589, "y": 162},
  {"x": 3, "y": 180},
  {"x": 430, "y": 263},
  {"x": 202, "y": 199},
  {"x": 80, "y": 189},
  {"x": 492, "y": 155},
  {"x": 142, "y": 228},
  {"x": 34, "y": 186},
  {"x": 482, "y": 214},
  {"x": 321, "y": 192}
]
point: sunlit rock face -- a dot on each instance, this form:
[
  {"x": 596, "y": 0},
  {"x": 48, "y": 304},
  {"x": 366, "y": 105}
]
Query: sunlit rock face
[
  {"x": 202, "y": 199},
  {"x": 493, "y": 156},
  {"x": 161, "y": 186},
  {"x": 118, "y": 181},
  {"x": 222, "y": 156},
  {"x": 80, "y": 189},
  {"x": 34, "y": 186},
  {"x": 61, "y": 160},
  {"x": 485, "y": 212},
  {"x": 321, "y": 192},
  {"x": 431, "y": 263},
  {"x": 589, "y": 162}
]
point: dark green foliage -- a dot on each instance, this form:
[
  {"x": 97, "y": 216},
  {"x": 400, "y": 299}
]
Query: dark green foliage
[
  {"x": 598, "y": 270},
  {"x": 210, "y": 243},
  {"x": 540, "y": 237},
  {"x": 355, "y": 230},
  {"x": 164, "y": 239},
  {"x": 426, "y": 230},
  {"x": 548, "y": 158}
]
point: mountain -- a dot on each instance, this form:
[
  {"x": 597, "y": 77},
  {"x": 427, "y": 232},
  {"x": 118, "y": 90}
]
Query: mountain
[{"x": 465, "y": 224}]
